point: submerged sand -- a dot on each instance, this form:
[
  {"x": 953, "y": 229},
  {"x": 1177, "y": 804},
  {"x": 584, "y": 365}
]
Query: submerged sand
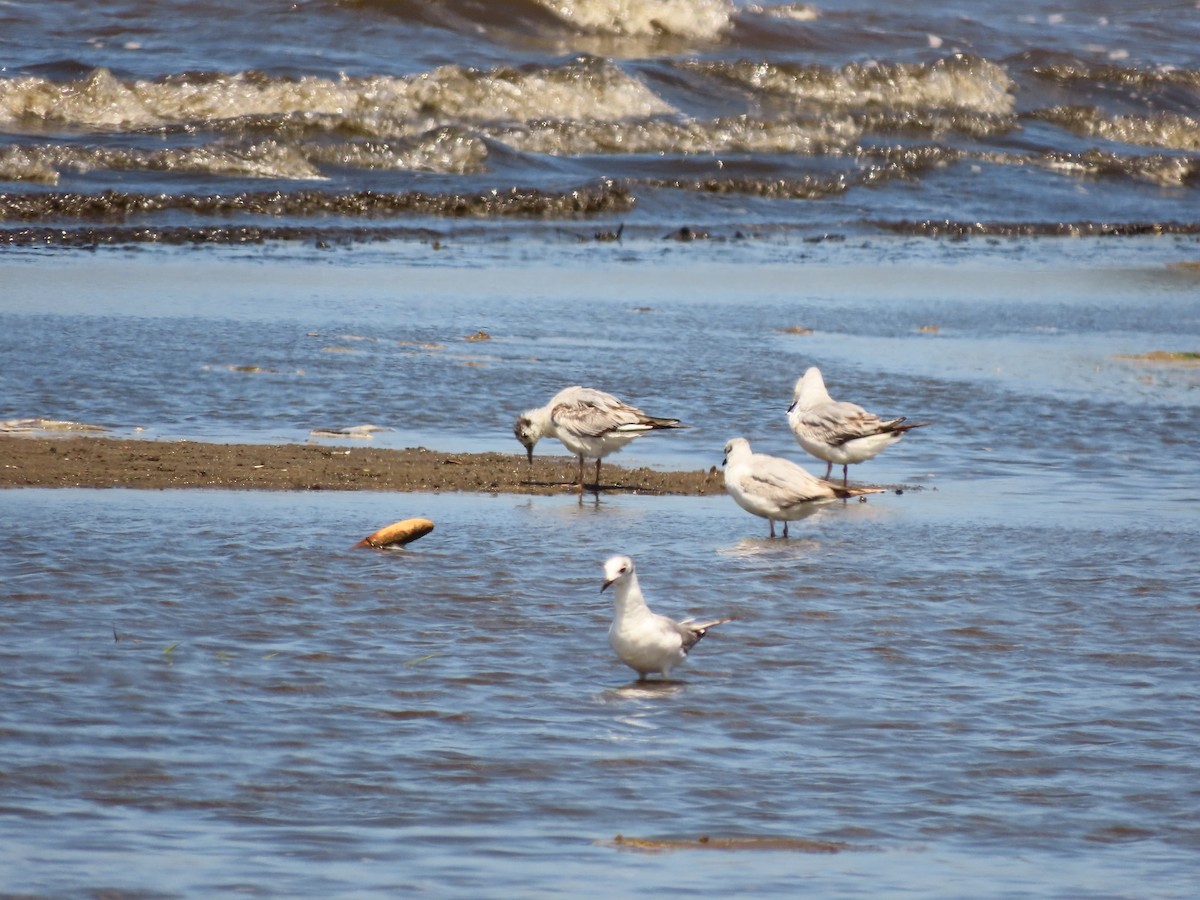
[{"x": 102, "y": 462}]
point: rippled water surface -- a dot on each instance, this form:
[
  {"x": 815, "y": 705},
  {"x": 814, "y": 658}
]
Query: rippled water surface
[
  {"x": 343, "y": 122},
  {"x": 985, "y": 684},
  {"x": 1019, "y": 364},
  {"x": 243, "y": 222},
  {"x": 972, "y": 691}
]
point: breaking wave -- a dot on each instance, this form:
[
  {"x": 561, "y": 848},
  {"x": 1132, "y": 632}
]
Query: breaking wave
[
  {"x": 1166, "y": 130},
  {"x": 693, "y": 19},
  {"x": 102, "y": 102},
  {"x": 687, "y": 111},
  {"x": 955, "y": 82}
]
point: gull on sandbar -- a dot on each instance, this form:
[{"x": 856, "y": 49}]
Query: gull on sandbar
[
  {"x": 589, "y": 423},
  {"x": 839, "y": 431},
  {"x": 644, "y": 640},
  {"x": 777, "y": 488}
]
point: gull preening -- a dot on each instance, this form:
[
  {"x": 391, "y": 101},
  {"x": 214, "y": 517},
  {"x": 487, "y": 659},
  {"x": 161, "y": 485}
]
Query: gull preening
[
  {"x": 839, "y": 431},
  {"x": 644, "y": 640},
  {"x": 589, "y": 423},
  {"x": 777, "y": 488}
]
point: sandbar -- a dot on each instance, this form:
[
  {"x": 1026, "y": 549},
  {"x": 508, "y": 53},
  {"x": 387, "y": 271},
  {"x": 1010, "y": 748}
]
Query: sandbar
[{"x": 109, "y": 462}]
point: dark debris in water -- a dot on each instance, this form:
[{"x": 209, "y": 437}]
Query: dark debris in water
[
  {"x": 946, "y": 228},
  {"x": 328, "y": 237},
  {"x": 327, "y": 219},
  {"x": 770, "y": 188},
  {"x": 706, "y": 842},
  {"x": 119, "y": 206},
  {"x": 89, "y": 237}
]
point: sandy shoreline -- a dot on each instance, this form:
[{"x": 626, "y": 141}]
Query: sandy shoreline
[{"x": 104, "y": 462}]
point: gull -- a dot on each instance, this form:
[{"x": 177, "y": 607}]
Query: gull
[
  {"x": 777, "y": 488},
  {"x": 589, "y": 423},
  {"x": 838, "y": 431},
  {"x": 644, "y": 640}
]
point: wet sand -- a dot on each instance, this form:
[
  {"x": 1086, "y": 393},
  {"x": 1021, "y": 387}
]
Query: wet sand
[{"x": 103, "y": 462}]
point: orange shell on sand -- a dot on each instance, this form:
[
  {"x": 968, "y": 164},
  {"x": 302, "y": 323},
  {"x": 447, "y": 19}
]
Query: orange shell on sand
[{"x": 397, "y": 534}]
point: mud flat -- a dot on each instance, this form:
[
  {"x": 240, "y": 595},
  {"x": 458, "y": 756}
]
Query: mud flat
[{"x": 101, "y": 462}]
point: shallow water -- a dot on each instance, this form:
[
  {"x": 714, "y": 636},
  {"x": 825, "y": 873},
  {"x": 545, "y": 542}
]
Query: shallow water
[
  {"x": 975, "y": 693},
  {"x": 1025, "y": 365},
  {"x": 982, "y": 686}
]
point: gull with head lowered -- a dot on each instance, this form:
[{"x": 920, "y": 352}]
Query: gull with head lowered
[
  {"x": 589, "y": 423},
  {"x": 644, "y": 640},
  {"x": 777, "y": 488},
  {"x": 839, "y": 431}
]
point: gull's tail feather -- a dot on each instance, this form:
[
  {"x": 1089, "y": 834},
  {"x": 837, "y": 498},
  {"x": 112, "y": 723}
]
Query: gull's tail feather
[
  {"x": 696, "y": 630},
  {"x": 704, "y": 626},
  {"x": 845, "y": 492},
  {"x": 656, "y": 422},
  {"x": 897, "y": 426}
]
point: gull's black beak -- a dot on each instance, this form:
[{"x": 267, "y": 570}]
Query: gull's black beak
[
  {"x": 793, "y": 406},
  {"x": 604, "y": 586},
  {"x": 529, "y": 453}
]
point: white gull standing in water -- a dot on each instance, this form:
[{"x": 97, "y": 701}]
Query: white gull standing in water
[
  {"x": 589, "y": 423},
  {"x": 644, "y": 640},
  {"x": 777, "y": 488},
  {"x": 839, "y": 431}
]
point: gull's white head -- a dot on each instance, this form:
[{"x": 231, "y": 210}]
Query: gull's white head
[
  {"x": 735, "y": 448},
  {"x": 810, "y": 386},
  {"x": 616, "y": 569},
  {"x": 528, "y": 429}
]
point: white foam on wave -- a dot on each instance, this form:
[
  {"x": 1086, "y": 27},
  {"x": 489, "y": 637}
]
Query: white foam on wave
[
  {"x": 444, "y": 151},
  {"x": 258, "y": 159},
  {"x": 1163, "y": 170},
  {"x": 27, "y": 164},
  {"x": 669, "y": 136},
  {"x": 102, "y": 102},
  {"x": 1166, "y": 130},
  {"x": 795, "y": 12},
  {"x": 952, "y": 83},
  {"x": 692, "y": 19},
  {"x": 577, "y": 91}
]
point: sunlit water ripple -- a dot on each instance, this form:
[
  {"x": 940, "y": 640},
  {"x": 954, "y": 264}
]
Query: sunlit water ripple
[{"x": 219, "y": 678}]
